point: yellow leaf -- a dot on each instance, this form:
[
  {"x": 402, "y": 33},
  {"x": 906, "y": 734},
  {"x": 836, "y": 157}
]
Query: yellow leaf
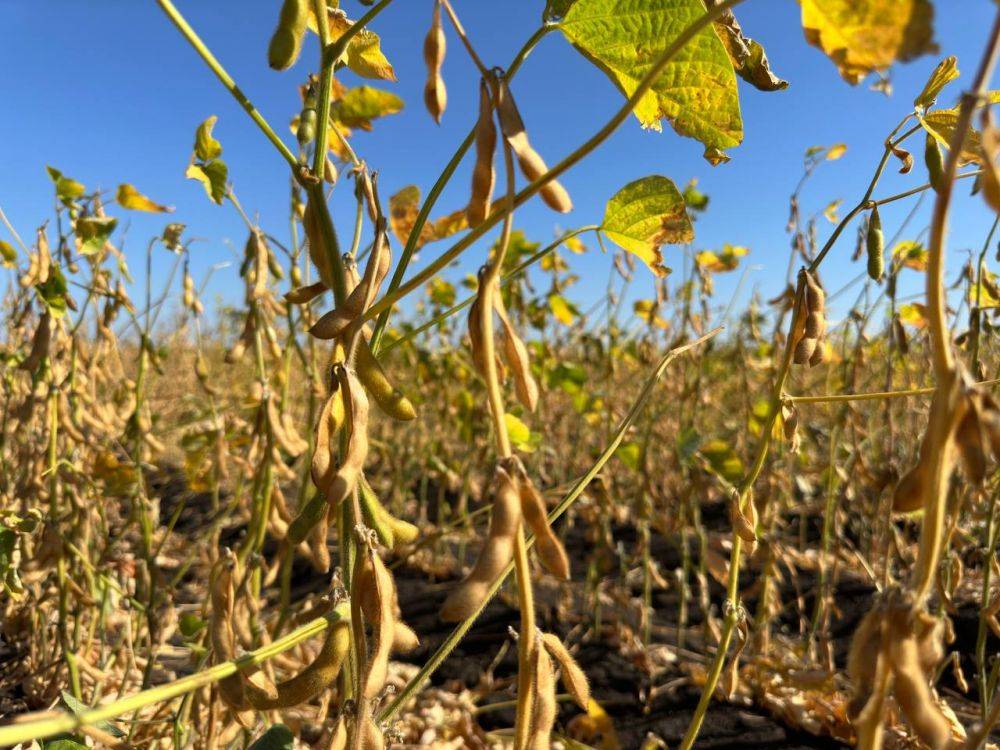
[
  {"x": 913, "y": 314},
  {"x": 129, "y": 197},
  {"x": 830, "y": 212},
  {"x": 911, "y": 254},
  {"x": 725, "y": 260},
  {"x": 646, "y": 214},
  {"x": 862, "y": 36},
  {"x": 403, "y": 209},
  {"x": 836, "y": 151},
  {"x": 564, "y": 311},
  {"x": 574, "y": 245},
  {"x": 364, "y": 52}
]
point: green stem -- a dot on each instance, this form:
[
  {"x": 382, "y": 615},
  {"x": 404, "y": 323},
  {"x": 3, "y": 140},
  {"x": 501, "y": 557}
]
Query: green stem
[{"x": 216, "y": 67}]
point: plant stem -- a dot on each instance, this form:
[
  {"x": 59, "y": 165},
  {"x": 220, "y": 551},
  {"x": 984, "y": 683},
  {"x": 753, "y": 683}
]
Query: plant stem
[
  {"x": 216, "y": 67},
  {"x": 390, "y": 298}
]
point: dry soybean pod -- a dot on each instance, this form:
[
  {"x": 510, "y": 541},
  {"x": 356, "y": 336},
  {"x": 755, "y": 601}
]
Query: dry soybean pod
[
  {"x": 572, "y": 676},
  {"x": 223, "y": 638},
  {"x": 875, "y": 243},
  {"x": 317, "y": 247},
  {"x": 483, "y": 173},
  {"x": 532, "y": 165},
  {"x": 335, "y": 322},
  {"x": 331, "y": 419},
  {"x": 435, "y": 93},
  {"x": 286, "y": 42},
  {"x": 376, "y": 590},
  {"x": 545, "y": 707},
  {"x": 39, "y": 344},
  {"x": 497, "y": 551},
  {"x": 516, "y": 354},
  {"x": 550, "y": 550}
]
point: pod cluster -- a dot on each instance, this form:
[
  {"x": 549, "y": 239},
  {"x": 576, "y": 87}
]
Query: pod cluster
[{"x": 809, "y": 348}]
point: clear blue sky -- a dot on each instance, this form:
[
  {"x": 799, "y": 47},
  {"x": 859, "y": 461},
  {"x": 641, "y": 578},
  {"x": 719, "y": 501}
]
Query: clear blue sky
[{"x": 108, "y": 92}]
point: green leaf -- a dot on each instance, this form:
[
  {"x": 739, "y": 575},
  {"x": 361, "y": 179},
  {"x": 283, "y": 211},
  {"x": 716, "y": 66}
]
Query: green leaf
[
  {"x": 696, "y": 92},
  {"x": 277, "y": 737},
  {"x": 78, "y": 708},
  {"x": 723, "y": 459},
  {"x": 93, "y": 232},
  {"x": 945, "y": 72},
  {"x": 563, "y": 310},
  {"x": 206, "y": 147},
  {"x": 53, "y": 292},
  {"x": 8, "y": 255},
  {"x": 520, "y": 436},
  {"x": 862, "y": 36},
  {"x": 630, "y": 454},
  {"x": 212, "y": 176},
  {"x": 693, "y": 197},
  {"x": 190, "y": 625},
  {"x": 64, "y": 742},
  {"x": 130, "y": 198},
  {"x": 646, "y": 214},
  {"x": 67, "y": 190},
  {"x": 360, "y": 105}
]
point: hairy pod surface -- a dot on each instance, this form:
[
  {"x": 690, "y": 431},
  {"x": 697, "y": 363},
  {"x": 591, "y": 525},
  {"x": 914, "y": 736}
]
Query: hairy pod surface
[
  {"x": 435, "y": 93},
  {"x": 497, "y": 551},
  {"x": 483, "y": 173},
  {"x": 286, "y": 42},
  {"x": 875, "y": 245},
  {"x": 532, "y": 165},
  {"x": 573, "y": 677}
]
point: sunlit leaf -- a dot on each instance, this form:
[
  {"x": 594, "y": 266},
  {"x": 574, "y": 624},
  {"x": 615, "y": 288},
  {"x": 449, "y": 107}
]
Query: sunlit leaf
[
  {"x": 206, "y": 147},
  {"x": 130, "y": 198},
  {"x": 913, "y": 314},
  {"x": 360, "y": 105},
  {"x": 363, "y": 55},
  {"x": 696, "y": 92},
  {"x": 441, "y": 292},
  {"x": 830, "y": 212},
  {"x": 723, "y": 459},
  {"x": 520, "y": 435},
  {"x": 212, "y": 176},
  {"x": 93, "y": 232},
  {"x": 403, "y": 209},
  {"x": 575, "y": 245},
  {"x": 985, "y": 293},
  {"x": 911, "y": 254},
  {"x": 945, "y": 72},
  {"x": 646, "y": 214},
  {"x": 693, "y": 197},
  {"x": 647, "y": 310},
  {"x": 54, "y": 292},
  {"x": 8, "y": 255},
  {"x": 836, "y": 151},
  {"x": 630, "y": 454},
  {"x": 563, "y": 310},
  {"x": 862, "y": 36},
  {"x": 67, "y": 190},
  {"x": 727, "y": 259},
  {"x": 941, "y": 123}
]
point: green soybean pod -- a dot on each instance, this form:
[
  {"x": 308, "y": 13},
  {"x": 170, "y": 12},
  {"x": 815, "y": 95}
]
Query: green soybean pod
[
  {"x": 876, "y": 246},
  {"x": 934, "y": 162},
  {"x": 286, "y": 42}
]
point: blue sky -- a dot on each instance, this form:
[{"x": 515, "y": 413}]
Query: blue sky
[{"x": 108, "y": 92}]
